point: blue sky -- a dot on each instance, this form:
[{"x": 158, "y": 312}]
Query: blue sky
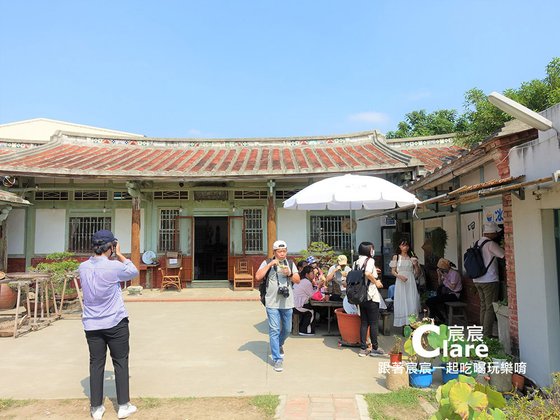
[{"x": 263, "y": 68}]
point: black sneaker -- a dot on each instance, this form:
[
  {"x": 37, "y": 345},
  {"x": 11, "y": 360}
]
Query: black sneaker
[{"x": 281, "y": 350}]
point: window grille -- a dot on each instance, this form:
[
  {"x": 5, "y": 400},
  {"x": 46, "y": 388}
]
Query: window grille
[
  {"x": 171, "y": 195},
  {"x": 121, "y": 195},
  {"x": 253, "y": 230},
  {"x": 90, "y": 195},
  {"x": 211, "y": 195},
  {"x": 285, "y": 194},
  {"x": 328, "y": 229},
  {"x": 81, "y": 229},
  {"x": 250, "y": 195},
  {"x": 167, "y": 230},
  {"x": 51, "y": 195}
]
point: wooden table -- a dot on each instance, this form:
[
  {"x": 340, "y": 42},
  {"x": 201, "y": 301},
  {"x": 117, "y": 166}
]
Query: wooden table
[
  {"x": 42, "y": 283},
  {"x": 328, "y": 304}
]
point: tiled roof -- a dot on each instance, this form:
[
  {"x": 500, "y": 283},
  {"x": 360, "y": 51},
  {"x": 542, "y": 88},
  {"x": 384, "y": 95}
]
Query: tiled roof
[
  {"x": 432, "y": 151},
  {"x": 70, "y": 154}
]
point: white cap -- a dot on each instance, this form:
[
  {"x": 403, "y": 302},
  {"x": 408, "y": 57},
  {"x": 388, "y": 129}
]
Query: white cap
[
  {"x": 491, "y": 227},
  {"x": 279, "y": 245}
]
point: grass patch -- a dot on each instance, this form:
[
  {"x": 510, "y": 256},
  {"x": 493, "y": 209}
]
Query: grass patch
[
  {"x": 149, "y": 402},
  {"x": 266, "y": 403},
  {"x": 6, "y": 403},
  {"x": 380, "y": 406}
]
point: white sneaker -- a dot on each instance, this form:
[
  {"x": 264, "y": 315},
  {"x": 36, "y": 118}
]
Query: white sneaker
[
  {"x": 126, "y": 410},
  {"x": 97, "y": 412}
]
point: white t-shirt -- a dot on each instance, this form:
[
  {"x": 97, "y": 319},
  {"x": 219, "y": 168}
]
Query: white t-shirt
[
  {"x": 373, "y": 293},
  {"x": 276, "y": 279},
  {"x": 489, "y": 251}
]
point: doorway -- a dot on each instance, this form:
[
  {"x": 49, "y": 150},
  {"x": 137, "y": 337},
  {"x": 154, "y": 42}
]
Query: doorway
[{"x": 210, "y": 248}]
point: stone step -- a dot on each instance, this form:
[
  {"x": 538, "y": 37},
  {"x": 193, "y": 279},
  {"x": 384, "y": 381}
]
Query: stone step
[{"x": 200, "y": 284}]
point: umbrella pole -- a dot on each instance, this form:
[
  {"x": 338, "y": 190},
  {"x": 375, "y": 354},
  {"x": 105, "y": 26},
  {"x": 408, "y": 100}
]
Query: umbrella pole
[{"x": 351, "y": 239}]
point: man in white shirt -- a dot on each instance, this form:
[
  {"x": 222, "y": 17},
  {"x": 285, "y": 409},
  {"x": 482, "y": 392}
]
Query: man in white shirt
[{"x": 488, "y": 285}]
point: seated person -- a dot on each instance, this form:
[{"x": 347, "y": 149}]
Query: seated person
[
  {"x": 319, "y": 277},
  {"x": 302, "y": 293},
  {"x": 336, "y": 278},
  {"x": 348, "y": 307},
  {"x": 300, "y": 264},
  {"x": 449, "y": 289}
]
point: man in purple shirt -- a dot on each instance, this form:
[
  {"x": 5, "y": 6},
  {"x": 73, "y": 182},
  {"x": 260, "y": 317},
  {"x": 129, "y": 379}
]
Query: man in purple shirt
[{"x": 106, "y": 321}]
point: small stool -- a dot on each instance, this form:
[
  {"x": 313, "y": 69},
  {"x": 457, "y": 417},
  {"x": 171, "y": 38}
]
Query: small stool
[
  {"x": 460, "y": 312},
  {"x": 385, "y": 318},
  {"x": 295, "y": 323}
]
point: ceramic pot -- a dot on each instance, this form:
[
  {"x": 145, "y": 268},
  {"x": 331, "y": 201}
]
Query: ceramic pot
[
  {"x": 518, "y": 381},
  {"x": 395, "y": 358},
  {"x": 348, "y": 326},
  {"x": 8, "y": 297}
]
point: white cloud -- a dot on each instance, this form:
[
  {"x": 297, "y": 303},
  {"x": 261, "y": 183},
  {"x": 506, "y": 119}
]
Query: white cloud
[{"x": 370, "y": 117}]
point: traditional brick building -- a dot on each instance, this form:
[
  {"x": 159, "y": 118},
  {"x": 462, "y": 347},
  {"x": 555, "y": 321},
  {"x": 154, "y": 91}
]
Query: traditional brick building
[{"x": 213, "y": 200}]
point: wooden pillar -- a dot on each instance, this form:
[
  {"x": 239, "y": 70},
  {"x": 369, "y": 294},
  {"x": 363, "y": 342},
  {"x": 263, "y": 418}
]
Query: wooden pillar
[
  {"x": 135, "y": 240},
  {"x": 271, "y": 218}
]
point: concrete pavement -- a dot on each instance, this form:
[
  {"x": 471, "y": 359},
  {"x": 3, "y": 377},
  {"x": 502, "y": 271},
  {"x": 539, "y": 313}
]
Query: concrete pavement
[{"x": 194, "y": 349}]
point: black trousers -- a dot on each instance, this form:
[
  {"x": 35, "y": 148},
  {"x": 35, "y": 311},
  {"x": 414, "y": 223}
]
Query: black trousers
[
  {"x": 116, "y": 339},
  {"x": 435, "y": 304},
  {"x": 369, "y": 316}
]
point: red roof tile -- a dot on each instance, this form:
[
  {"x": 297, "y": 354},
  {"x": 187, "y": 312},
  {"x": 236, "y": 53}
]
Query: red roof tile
[{"x": 85, "y": 155}]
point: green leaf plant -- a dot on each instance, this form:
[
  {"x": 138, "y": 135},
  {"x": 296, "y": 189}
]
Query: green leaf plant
[{"x": 464, "y": 398}]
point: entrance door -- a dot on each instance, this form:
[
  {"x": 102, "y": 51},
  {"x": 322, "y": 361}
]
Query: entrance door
[{"x": 210, "y": 248}]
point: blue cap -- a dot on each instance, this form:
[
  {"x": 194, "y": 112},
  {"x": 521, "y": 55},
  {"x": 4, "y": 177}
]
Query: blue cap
[
  {"x": 311, "y": 259},
  {"x": 102, "y": 237}
]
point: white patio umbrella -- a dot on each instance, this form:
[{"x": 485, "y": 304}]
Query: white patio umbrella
[{"x": 351, "y": 192}]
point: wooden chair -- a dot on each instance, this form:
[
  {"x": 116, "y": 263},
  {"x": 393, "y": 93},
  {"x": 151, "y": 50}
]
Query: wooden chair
[
  {"x": 171, "y": 271},
  {"x": 242, "y": 278}
]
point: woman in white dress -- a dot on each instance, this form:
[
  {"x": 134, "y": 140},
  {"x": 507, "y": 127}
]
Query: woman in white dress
[{"x": 404, "y": 267}]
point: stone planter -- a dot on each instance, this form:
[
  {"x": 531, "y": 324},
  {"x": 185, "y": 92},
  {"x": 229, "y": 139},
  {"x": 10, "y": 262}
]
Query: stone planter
[{"x": 502, "y": 314}]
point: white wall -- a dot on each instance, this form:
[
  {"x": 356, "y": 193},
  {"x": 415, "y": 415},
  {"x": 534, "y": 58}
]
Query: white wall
[
  {"x": 367, "y": 231},
  {"x": 471, "y": 178},
  {"x": 539, "y": 158},
  {"x": 449, "y": 224},
  {"x": 537, "y": 284},
  {"x": 15, "y": 226},
  {"x": 291, "y": 226},
  {"x": 50, "y": 231},
  {"x": 122, "y": 229}
]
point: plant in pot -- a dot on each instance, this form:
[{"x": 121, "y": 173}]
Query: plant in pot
[
  {"x": 455, "y": 361},
  {"x": 502, "y": 315},
  {"x": 500, "y": 366},
  {"x": 61, "y": 266},
  {"x": 422, "y": 377},
  {"x": 395, "y": 354}
]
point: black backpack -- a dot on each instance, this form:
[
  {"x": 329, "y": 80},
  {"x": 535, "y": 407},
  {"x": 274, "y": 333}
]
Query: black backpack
[
  {"x": 357, "y": 284},
  {"x": 473, "y": 262},
  {"x": 264, "y": 282}
]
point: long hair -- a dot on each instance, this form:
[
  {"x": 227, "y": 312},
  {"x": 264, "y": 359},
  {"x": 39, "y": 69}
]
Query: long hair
[{"x": 404, "y": 241}]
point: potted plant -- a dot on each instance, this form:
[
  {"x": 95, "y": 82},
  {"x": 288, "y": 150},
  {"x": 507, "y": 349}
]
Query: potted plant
[
  {"x": 395, "y": 354},
  {"x": 502, "y": 314},
  {"x": 499, "y": 377},
  {"x": 419, "y": 378},
  {"x": 61, "y": 266}
]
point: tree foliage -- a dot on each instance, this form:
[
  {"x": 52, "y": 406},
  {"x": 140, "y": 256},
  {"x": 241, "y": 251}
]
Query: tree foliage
[{"x": 480, "y": 118}]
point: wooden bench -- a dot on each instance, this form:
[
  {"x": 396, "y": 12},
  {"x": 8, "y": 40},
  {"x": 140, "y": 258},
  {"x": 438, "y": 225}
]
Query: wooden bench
[{"x": 455, "y": 310}]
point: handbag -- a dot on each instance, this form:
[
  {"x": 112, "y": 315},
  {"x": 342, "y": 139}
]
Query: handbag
[{"x": 317, "y": 296}]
